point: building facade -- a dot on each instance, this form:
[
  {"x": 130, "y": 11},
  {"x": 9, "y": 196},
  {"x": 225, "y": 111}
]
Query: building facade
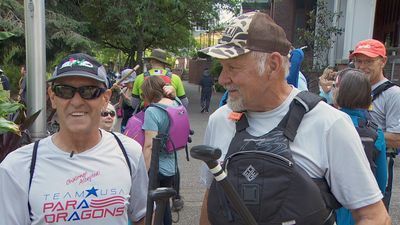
[{"x": 360, "y": 19}]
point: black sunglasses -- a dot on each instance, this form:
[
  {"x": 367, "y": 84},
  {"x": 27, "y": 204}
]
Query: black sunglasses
[
  {"x": 86, "y": 92},
  {"x": 105, "y": 114}
]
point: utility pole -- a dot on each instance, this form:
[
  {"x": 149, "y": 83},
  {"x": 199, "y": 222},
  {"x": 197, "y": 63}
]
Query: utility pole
[{"x": 35, "y": 41}]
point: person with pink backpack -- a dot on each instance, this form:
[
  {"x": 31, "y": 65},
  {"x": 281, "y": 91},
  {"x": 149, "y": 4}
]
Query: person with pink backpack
[{"x": 166, "y": 116}]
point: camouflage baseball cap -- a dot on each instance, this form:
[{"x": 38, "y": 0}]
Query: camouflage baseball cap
[{"x": 252, "y": 31}]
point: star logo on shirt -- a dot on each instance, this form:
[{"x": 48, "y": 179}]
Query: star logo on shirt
[{"x": 92, "y": 191}]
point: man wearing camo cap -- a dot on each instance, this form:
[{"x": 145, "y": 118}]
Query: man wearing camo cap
[{"x": 254, "y": 54}]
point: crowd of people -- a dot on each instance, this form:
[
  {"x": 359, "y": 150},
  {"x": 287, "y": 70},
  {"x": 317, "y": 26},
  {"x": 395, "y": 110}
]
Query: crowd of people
[{"x": 293, "y": 157}]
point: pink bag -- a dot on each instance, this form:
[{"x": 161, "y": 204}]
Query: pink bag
[
  {"x": 134, "y": 127},
  {"x": 179, "y": 127}
]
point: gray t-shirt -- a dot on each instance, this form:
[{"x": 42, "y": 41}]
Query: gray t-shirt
[
  {"x": 386, "y": 109},
  {"x": 92, "y": 187},
  {"x": 156, "y": 119}
]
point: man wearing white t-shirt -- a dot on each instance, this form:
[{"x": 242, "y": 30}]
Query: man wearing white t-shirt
[
  {"x": 253, "y": 53},
  {"x": 81, "y": 174}
]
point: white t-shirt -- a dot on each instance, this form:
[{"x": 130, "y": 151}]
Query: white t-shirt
[
  {"x": 386, "y": 109},
  {"x": 92, "y": 187},
  {"x": 326, "y": 145}
]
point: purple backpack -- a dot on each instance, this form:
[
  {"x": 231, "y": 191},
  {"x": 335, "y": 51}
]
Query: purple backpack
[{"x": 179, "y": 127}]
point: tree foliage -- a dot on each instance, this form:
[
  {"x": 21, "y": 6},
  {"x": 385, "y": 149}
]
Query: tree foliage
[
  {"x": 320, "y": 32},
  {"x": 134, "y": 26},
  {"x": 127, "y": 26}
]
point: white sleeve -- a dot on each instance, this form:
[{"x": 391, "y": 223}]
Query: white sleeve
[
  {"x": 139, "y": 189},
  {"x": 13, "y": 200},
  {"x": 349, "y": 175}
]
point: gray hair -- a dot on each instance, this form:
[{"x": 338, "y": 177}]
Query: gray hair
[{"x": 262, "y": 57}]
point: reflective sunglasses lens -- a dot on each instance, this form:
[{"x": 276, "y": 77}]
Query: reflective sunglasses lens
[
  {"x": 90, "y": 92},
  {"x": 62, "y": 91}
]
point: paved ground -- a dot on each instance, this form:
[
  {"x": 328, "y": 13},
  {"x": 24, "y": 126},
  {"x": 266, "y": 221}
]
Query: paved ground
[{"x": 192, "y": 191}]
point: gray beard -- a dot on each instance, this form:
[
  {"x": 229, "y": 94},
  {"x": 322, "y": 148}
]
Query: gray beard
[{"x": 236, "y": 105}]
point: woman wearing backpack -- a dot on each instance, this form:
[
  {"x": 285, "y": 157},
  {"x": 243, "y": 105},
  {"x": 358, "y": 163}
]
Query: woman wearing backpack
[
  {"x": 156, "y": 121},
  {"x": 353, "y": 96}
]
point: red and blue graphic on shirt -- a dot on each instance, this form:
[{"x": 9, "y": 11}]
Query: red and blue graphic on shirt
[{"x": 78, "y": 206}]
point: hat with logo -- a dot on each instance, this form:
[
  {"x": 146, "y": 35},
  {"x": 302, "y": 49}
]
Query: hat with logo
[
  {"x": 252, "y": 31},
  {"x": 159, "y": 55},
  {"x": 130, "y": 78},
  {"x": 370, "y": 47},
  {"x": 80, "y": 65}
]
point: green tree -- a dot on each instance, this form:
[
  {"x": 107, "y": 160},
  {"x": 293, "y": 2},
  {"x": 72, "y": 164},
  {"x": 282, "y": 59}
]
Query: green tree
[
  {"x": 134, "y": 26},
  {"x": 319, "y": 34}
]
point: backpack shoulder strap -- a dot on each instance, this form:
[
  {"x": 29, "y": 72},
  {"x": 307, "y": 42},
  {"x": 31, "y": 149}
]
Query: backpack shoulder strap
[
  {"x": 302, "y": 103},
  {"x": 164, "y": 107},
  {"x": 123, "y": 151},
  {"x": 381, "y": 88},
  {"x": 33, "y": 163},
  {"x": 31, "y": 172},
  {"x": 146, "y": 74}
]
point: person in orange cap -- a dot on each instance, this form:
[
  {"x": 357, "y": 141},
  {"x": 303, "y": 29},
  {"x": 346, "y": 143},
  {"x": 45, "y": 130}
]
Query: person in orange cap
[{"x": 370, "y": 57}]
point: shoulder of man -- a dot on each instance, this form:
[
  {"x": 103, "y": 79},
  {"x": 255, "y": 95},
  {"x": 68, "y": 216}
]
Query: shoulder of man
[
  {"x": 17, "y": 163},
  {"x": 18, "y": 157},
  {"x": 133, "y": 149},
  {"x": 392, "y": 94}
]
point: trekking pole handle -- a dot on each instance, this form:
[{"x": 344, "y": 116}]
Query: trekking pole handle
[
  {"x": 161, "y": 197},
  {"x": 210, "y": 155}
]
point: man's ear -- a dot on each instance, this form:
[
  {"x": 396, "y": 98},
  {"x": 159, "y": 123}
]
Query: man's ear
[
  {"x": 275, "y": 62},
  {"x": 51, "y": 97},
  {"x": 384, "y": 61}
]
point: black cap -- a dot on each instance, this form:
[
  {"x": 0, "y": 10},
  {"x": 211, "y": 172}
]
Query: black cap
[{"x": 81, "y": 65}]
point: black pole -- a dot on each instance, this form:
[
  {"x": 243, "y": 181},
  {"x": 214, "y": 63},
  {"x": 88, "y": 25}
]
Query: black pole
[
  {"x": 210, "y": 155},
  {"x": 158, "y": 143}
]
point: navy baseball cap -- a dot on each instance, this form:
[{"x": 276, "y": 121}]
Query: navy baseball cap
[{"x": 81, "y": 65}]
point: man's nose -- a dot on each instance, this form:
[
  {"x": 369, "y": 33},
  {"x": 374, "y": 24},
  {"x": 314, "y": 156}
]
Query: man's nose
[
  {"x": 223, "y": 77},
  {"x": 76, "y": 98}
]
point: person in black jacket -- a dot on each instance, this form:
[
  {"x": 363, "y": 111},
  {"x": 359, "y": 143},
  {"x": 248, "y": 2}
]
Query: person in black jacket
[{"x": 206, "y": 86}]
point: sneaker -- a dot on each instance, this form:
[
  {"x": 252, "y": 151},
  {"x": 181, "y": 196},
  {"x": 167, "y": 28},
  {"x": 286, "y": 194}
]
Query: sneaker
[{"x": 177, "y": 204}]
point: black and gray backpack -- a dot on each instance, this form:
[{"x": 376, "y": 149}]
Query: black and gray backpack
[{"x": 270, "y": 183}]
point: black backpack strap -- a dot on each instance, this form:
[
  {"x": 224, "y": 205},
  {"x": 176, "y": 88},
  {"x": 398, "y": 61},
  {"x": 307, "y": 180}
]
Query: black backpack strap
[
  {"x": 146, "y": 74},
  {"x": 302, "y": 103},
  {"x": 242, "y": 123},
  {"x": 381, "y": 88},
  {"x": 31, "y": 172},
  {"x": 388, "y": 192},
  {"x": 123, "y": 151}
]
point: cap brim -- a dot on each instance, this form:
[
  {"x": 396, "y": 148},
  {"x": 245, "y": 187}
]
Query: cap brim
[
  {"x": 225, "y": 51},
  {"x": 77, "y": 74},
  {"x": 369, "y": 54}
]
